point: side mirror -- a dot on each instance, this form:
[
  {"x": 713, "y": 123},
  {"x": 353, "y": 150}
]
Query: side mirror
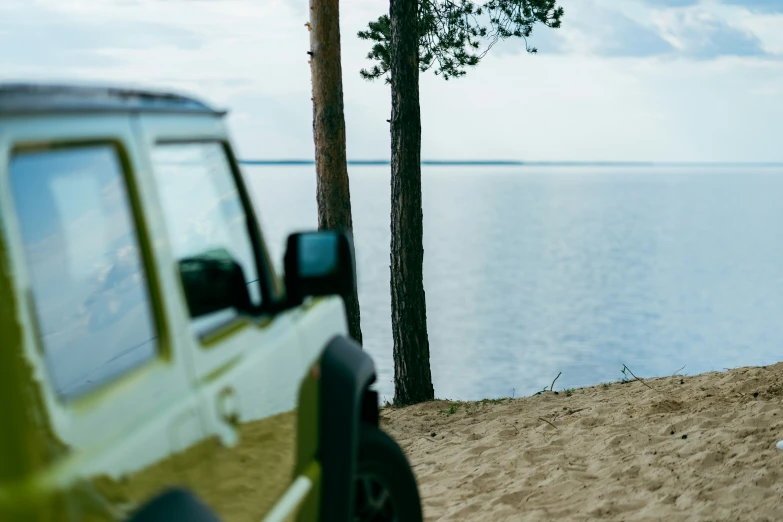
[
  {"x": 213, "y": 281},
  {"x": 319, "y": 263}
]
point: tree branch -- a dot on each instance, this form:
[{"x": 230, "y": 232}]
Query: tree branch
[{"x": 451, "y": 32}]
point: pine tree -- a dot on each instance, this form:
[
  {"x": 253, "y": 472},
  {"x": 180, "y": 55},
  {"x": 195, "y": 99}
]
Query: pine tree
[
  {"x": 331, "y": 166},
  {"x": 419, "y": 35}
]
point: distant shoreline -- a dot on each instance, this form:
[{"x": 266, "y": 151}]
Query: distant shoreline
[{"x": 503, "y": 163}]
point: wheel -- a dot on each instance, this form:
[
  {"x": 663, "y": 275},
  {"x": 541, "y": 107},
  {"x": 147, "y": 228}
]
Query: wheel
[{"x": 386, "y": 489}]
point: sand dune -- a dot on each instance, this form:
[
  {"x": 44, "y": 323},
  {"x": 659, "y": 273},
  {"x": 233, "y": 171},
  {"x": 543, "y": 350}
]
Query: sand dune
[{"x": 674, "y": 448}]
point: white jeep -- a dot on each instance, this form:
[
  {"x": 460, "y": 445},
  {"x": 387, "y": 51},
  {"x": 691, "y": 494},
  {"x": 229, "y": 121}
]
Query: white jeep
[{"x": 152, "y": 364}]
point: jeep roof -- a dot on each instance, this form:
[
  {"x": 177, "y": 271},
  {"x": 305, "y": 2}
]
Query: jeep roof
[{"x": 23, "y": 98}]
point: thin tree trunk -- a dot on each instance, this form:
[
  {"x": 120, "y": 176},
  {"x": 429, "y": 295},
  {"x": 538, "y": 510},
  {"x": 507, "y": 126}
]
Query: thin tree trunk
[
  {"x": 333, "y": 193},
  {"x": 412, "y": 376}
]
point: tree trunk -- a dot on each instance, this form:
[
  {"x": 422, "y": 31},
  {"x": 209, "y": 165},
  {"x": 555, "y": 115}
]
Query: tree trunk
[
  {"x": 412, "y": 376},
  {"x": 333, "y": 193}
]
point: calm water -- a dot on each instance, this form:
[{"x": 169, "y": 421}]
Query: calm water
[{"x": 532, "y": 271}]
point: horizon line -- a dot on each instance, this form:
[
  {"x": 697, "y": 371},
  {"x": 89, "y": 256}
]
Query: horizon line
[{"x": 516, "y": 163}]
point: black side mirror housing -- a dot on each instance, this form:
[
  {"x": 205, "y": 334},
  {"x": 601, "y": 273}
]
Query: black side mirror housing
[
  {"x": 213, "y": 281},
  {"x": 319, "y": 263}
]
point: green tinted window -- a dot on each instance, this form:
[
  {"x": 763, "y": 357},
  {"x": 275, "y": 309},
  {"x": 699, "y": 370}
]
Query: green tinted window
[
  {"x": 204, "y": 214},
  {"x": 88, "y": 284}
]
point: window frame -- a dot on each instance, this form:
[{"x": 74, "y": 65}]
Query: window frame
[{"x": 152, "y": 284}]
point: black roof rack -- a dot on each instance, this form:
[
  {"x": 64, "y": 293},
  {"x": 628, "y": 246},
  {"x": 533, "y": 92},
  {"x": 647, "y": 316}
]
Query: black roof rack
[{"x": 20, "y": 98}]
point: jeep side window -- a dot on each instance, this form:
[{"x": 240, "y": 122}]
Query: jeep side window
[
  {"x": 204, "y": 214},
  {"x": 88, "y": 285}
]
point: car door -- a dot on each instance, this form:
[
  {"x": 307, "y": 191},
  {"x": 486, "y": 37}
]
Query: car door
[
  {"x": 98, "y": 337},
  {"x": 247, "y": 366}
]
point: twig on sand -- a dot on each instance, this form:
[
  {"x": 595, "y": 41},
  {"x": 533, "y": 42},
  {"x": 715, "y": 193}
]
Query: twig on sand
[
  {"x": 638, "y": 379},
  {"x": 552, "y": 388},
  {"x": 678, "y": 371},
  {"x": 543, "y": 419}
]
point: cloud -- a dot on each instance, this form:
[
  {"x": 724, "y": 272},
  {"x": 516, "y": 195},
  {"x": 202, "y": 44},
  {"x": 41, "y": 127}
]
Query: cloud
[
  {"x": 604, "y": 86},
  {"x": 718, "y": 39},
  {"x": 672, "y": 3},
  {"x": 591, "y": 29},
  {"x": 769, "y": 6},
  {"x": 37, "y": 35},
  {"x": 702, "y": 36},
  {"x": 623, "y": 36}
]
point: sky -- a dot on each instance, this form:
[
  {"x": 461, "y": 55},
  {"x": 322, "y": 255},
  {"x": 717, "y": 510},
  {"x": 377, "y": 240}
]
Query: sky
[{"x": 621, "y": 80}]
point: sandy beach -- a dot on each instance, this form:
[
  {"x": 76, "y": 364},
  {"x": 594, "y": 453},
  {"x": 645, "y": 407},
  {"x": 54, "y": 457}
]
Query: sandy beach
[{"x": 675, "y": 448}]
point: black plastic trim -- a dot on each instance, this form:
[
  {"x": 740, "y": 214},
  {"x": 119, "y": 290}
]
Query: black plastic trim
[
  {"x": 340, "y": 282},
  {"x": 174, "y": 504},
  {"x": 264, "y": 265},
  {"x": 346, "y": 373},
  {"x": 370, "y": 413}
]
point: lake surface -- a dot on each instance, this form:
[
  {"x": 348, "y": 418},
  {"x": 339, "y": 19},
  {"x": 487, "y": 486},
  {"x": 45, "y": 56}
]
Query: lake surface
[{"x": 531, "y": 271}]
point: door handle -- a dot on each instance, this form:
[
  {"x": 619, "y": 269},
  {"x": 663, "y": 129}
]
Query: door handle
[{"x": 229, "y": 414}]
